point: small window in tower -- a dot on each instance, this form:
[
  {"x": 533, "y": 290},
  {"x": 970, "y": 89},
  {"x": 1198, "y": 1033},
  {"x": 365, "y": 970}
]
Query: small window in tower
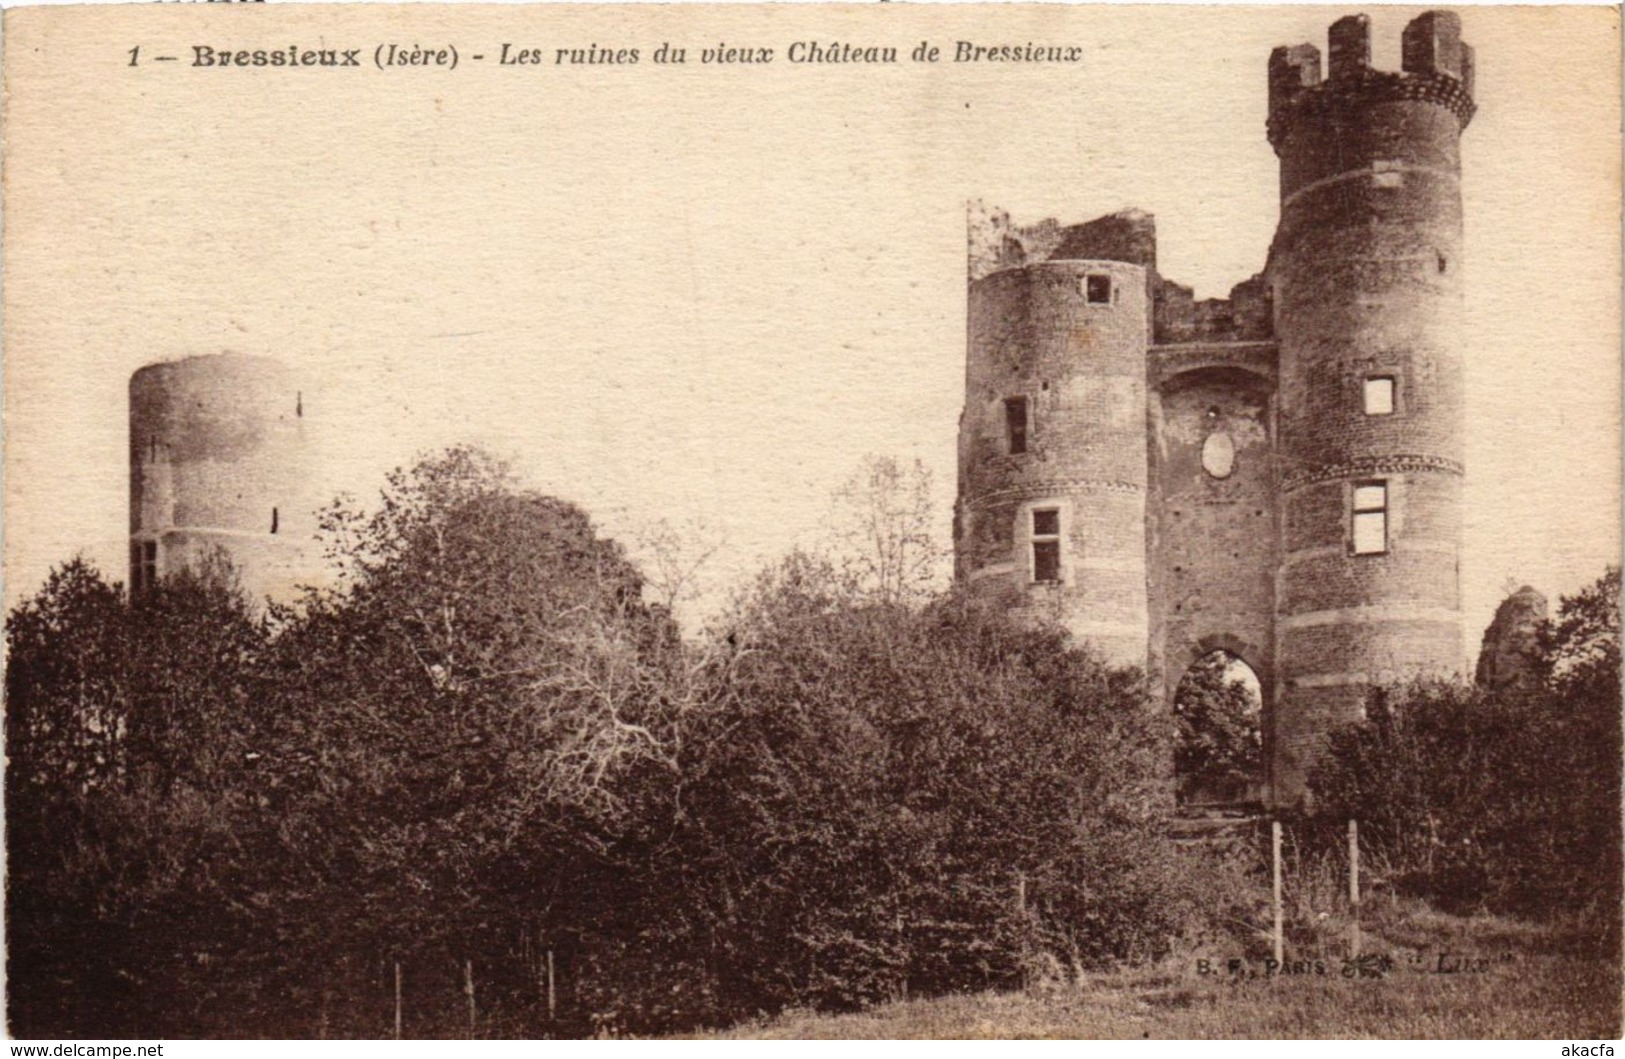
[
  {"x": 1370, "y": 518},
  {"x": 273, "y": 520},
  {"x": 143, "y": 565},
  {"x": 1097, "y": 290},
  {"x": 1015, "y": 423},
  {"x": 1046, "y": 539},
  {"x": 1379, "y": 395}
]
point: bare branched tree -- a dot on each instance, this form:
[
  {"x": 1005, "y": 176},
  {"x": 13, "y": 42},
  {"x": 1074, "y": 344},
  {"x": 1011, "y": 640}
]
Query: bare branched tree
[
  {"x": 674, "y": 559},
  {"x": 885, "y": 533}
]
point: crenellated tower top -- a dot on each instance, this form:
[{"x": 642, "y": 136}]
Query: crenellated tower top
[{"x": 1437, "y": 65}]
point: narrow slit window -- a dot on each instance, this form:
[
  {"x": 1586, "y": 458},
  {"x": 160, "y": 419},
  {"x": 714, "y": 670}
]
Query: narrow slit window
[
  {"x": 273, "y": 520},
  {"x": 1015, "y": 423},
  {"x": 1379, "y": 395},
  {"x": 1370, "y": 518},
  {"x": 1046, "y": 540},
  {"x": 1097, "y": 290}
]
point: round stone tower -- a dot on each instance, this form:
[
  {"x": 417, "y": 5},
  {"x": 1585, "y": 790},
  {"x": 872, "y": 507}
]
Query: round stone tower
[
  {"x": 1052, "y": 448},
  {"x": 218, "y": 460},
  {"x": 1366, "y": 276}
]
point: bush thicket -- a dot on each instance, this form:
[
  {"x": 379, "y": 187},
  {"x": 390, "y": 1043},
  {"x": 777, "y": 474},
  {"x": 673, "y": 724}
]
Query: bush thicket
[
  {"x": 482, "y": 754},
  {"x": 1506, "y": 799},
  {"x": 483, "y": 751}
]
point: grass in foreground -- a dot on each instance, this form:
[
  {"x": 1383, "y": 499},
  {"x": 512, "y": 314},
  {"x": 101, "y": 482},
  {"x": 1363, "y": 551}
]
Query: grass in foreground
[{"x": 1511, "y": 980}]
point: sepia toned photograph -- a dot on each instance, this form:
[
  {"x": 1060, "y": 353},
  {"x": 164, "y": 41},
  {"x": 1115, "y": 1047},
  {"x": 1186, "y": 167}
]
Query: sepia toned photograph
[{"x": 812, "y": 521}]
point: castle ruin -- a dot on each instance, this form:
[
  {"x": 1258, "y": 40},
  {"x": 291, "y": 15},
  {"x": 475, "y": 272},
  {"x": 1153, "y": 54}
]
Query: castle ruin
[
  {"x": 219, "y": 462},
  {"x": 1277, "y": 474}
]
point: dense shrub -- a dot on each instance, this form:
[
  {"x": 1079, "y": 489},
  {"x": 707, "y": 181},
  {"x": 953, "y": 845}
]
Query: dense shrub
[
  {"x": 1501, "y": 799},
  {"x": 882, "y": 801},
  {"x": 127, "y": 729},
  {"x": 482, "y": 754}
]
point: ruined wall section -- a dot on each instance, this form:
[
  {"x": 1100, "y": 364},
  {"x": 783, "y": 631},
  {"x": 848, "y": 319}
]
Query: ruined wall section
[
  {"x": 1510, "y": 653},
  {"x": 996, "y": 242},
  {"x": 1366, "y": 279},
  {"x": 1066, "y": 339},
  {"x": 1248, "y": 315},
  {"x": 218, "y": 459},
  {"x": 1212, "y": 513}
]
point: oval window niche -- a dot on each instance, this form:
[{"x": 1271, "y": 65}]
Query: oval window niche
[{"x": 1219, "y": 454}]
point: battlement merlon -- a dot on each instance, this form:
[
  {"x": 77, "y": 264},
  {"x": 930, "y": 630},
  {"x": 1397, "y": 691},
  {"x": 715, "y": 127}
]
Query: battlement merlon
[{"x": 1437, "y": 67}]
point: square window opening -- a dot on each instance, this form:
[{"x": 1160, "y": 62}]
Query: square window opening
[
  {"x": 1097, "y": 290},
  {"x": 143, "y": 565},
  {"x": 1379, "y": 395},
  {"x": 1370, "y": 529},
  {"x": 1047, "y": 561},
  {"x": 1046, "y": 542}
]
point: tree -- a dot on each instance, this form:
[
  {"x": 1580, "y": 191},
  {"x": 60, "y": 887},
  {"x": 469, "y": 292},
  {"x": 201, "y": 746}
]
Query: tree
[
  {"x": 127, "y": 812},
  {"x": 65, "y": 706},
  {"x": 462, "y": 718},
  {"x": 882, "y": 518},
  {"x": 673, "y": 560},
  {"x": 1218, "y": 748},
  {"x": 1504, "y": 798},
  {"x": 1581, "y": 646},
  {"x": 873, "y": 788}
]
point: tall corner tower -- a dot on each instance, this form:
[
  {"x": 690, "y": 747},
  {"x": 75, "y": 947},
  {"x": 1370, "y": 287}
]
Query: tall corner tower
[
  {"x": 1366, "y": 277},
  {"x": 1052, "y": 441},
  {"x": 218, "y": 460}
]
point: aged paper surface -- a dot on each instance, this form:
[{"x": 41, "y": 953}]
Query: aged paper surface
[
  {"x": 706, "y": 289},
  {"x": 712, "y": 288}
]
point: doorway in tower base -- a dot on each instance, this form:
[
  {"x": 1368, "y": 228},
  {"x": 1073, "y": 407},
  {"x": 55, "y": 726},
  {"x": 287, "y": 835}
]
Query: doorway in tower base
[{"x": 1218, "y": 734}]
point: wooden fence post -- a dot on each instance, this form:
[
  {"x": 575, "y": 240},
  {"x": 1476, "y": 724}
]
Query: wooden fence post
[
  {"x": 552, "y": 1008},
  {"x": 1275, "y": 865},
  {"x": 1354, "y": 888}
]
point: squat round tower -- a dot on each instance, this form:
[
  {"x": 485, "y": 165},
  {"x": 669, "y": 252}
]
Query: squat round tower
[
  {"x": 1366, "y": 276},
  {"x": 218, "y": 461},
  {"x": 1052, "y": 448}
]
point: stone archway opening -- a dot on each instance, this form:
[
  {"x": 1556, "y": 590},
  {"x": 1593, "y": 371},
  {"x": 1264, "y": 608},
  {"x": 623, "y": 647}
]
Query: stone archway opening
[{"x": 1218, "y": 742}]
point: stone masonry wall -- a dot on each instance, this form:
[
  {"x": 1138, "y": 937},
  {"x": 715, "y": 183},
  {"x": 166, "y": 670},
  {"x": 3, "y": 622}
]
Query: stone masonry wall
[
  {"x": 218, "y": 460},
  {"x": 1080, "y": 367},
  {"x": 1205, "y": 455}
]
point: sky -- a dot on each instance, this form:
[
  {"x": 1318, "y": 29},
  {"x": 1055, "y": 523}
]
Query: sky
[{"x": 707, "y": 294}]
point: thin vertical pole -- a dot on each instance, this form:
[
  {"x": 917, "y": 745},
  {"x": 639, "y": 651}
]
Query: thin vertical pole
[
  {"x": 397, "y": 1000},
  {"x": 1275, "y": 864},
  {"x": 1354, "y": 888},
  {"x": 468, "y": 987},
  {"x": 552, "y": 1007}
]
